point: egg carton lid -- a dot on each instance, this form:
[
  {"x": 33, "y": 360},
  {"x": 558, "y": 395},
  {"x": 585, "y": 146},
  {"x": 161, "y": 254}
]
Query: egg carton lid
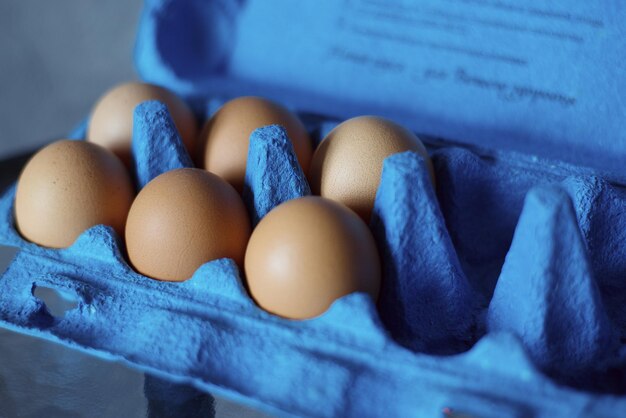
[{"x": 542, "y": 79}]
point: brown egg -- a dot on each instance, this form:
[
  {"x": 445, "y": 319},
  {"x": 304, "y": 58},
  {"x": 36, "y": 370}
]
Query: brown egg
[
  {"x": 226, "y": 136},
  {"x": 68, "y": 187},
  {"x": 111, "y": 123},
  {"x": 348, "y": 163},
  {"x": 308, "y": 252},
  {"x": 183, "y": 219}
]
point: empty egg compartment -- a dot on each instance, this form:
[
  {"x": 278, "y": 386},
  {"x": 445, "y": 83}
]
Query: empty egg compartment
[
  {"x": 541, "y": 243},
  {"x": 207, "y": 331},
  {"x": 545, "y": 236}
]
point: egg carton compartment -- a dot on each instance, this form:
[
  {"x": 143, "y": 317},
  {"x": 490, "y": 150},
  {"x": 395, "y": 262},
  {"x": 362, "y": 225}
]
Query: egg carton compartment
[
  {"x": 545, "y": 252},
  {"x": 450, "y": 332}
]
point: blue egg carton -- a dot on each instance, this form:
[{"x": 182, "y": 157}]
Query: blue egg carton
[
  {"x": 503, "y": 290},
  {"x": 436, "y": 341}
]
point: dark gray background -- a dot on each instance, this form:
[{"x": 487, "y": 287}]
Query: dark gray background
[{"x": 56, "y": 58}]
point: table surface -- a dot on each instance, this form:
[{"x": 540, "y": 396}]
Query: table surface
[{"x": 56, "y": 59}]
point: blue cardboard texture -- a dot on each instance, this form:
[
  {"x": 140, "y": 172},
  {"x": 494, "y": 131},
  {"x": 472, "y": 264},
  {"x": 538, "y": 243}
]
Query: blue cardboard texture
[
  {"x": 426, "y": 301},
  {"x": 273, "y": 174},
  {"x": 162, "y": 149},
  {"x": 601, "y": 215},
  {"x": 545, "y": 79},
  {"x": 481, "y": 198},
  {"x": 546, "y": 292},
  {"x": 207, "y": 331}
]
